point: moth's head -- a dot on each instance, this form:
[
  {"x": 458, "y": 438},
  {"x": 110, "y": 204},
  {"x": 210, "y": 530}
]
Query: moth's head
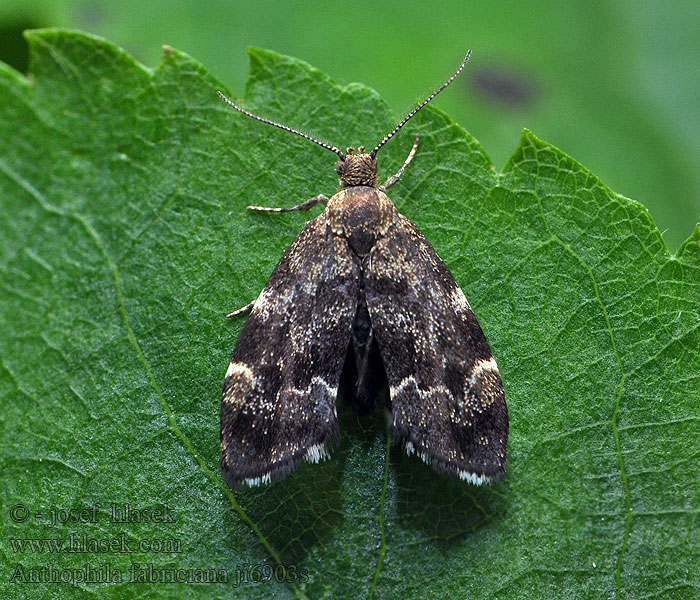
[
  {"x": 357, "y": 168},
  {"x": 354, "y": 168}
]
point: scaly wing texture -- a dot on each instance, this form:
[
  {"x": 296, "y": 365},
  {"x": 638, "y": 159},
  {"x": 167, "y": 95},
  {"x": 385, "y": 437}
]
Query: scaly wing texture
[
  {"x": 278, "y": 402},
  {"x": 447, "y": 398}
]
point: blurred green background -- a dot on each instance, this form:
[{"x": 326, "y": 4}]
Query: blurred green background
[{"x": 614, "y": 84}]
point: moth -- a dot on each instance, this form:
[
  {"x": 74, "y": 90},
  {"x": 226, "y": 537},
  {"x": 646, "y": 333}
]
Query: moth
[{"x": 361, "y": 300}]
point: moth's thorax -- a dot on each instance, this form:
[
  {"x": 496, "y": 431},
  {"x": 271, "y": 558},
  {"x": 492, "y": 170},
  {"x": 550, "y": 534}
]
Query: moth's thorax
[
  {"x": 357, "y": 169},
  {"x": 361, "y": 214}
]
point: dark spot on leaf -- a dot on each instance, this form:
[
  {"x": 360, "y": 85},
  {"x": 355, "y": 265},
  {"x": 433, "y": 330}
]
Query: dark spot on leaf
[
  {"x": 91, "y": 14},
  {"x": 504, "y": 85}
]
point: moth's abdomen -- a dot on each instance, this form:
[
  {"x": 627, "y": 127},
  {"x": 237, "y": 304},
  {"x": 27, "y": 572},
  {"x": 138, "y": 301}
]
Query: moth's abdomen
[{"x": 361, "y": 214}]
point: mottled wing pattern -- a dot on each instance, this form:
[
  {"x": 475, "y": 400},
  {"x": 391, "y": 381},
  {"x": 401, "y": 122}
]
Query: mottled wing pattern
[
  {"x": 278, "y": 404},
  {"x": 447, "y": 398}
]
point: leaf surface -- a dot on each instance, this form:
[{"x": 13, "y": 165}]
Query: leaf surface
[{"x": 125, "y": 241}]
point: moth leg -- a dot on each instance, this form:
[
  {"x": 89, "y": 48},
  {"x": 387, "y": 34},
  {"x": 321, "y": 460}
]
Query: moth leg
[
  {"x": 241, "y": 310},
  {"x": 394, "y": 178},
  {"x": 320, "y": 199}
]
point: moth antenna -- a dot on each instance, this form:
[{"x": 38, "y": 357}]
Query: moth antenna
[
  {"x": 340, "y": 154},
  {"x": 421, "y": 105}
]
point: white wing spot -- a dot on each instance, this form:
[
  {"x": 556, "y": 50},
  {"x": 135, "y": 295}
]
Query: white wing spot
[
  {"x": 458, "y": 298},
  {"x": 474, "y": 478},
  {"x": 264, "y": 303},
  {"x": 332, "y": 391},
  {"x": 422, "y": 394},
  {"x": 316, "y": 453},
  {"x": 395, "y": 389},
  {"x": 257, "y": 480},
  {"x": 236, "y": 368},
  {"x": 483, "y": 365}
]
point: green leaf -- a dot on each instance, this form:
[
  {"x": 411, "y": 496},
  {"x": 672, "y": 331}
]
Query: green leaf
[
  {"x": 599, "y": 80},
  {"x": 125, "y": 240}
]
